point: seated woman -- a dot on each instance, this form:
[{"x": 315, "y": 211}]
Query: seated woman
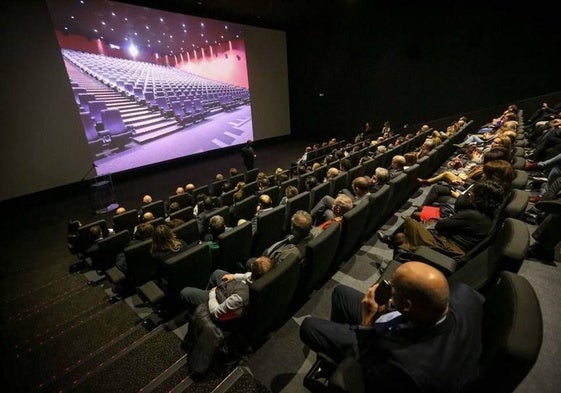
[
  {"x": 500, "y": 171},
  {"x": 458, "y": 233},
  {"x": 470, "y": 173},
  {"x": 164, "y": 246}
]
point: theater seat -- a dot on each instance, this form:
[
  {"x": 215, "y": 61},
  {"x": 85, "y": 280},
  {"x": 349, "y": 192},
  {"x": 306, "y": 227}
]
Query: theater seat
[
  {"x": 120, "y": 133},
  {"x": 270, "y": 300},
  {"x": 512, "y": 334},
  {"x": 95, "y": 139}
]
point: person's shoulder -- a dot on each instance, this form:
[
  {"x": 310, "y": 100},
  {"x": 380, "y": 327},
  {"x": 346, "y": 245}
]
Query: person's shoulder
[{"x": 462, "y": 295}]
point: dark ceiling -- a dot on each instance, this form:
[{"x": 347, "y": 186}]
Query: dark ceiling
[
  {"x": 175, "y": 26},
  {"x": 277, "y": 14}
]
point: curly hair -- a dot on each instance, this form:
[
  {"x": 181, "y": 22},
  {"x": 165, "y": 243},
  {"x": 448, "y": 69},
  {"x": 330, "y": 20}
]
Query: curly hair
[{"x": 487, "y": 196}]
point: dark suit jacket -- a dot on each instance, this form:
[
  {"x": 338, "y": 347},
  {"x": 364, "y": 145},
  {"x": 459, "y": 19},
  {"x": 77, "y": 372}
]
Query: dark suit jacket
[{"x": 442, "y": 358}]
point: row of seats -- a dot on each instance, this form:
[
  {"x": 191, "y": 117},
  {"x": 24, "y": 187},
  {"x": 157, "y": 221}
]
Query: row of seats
[
  {"x": 512, "y": 319},
  {"x": 324, "y": 254}
]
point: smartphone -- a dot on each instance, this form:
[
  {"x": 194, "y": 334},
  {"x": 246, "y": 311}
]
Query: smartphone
[{"x": 383, "y": 292}]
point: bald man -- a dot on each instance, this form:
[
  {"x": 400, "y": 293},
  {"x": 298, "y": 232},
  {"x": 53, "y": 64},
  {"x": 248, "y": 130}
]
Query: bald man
[{"x": 427, "y": 337}]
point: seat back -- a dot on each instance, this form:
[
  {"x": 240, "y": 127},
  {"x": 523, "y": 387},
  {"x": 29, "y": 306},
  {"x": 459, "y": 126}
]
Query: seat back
[
  {"x": 424, "y": 169},
  {"x": 127, "y": 220},
  {"x": 177, "y": 109},
  {"x": 378, "y": 202},
  {"x": 184, "y": 200},
  {"x": 517, "y": 204},
  {"x": 352, "y": 227},
  {"x": 190, "y": 268},
  {"x": 353, "y": 173},
  {"x": 184, "y": 214},
  {"x": 270, "y": 299},
  {"x": 157, "y": 208},
  {"x": 302, "y": 181},
  {"x": 520, "y": 179},
  {"x": 235, "y": 248},
  {"x": 518, "y": 162},
  {"x": 85, "y": 99},
  {"x": 89, "y": 127},
  {"x": 200, "y": 190},
  {"x": 512, "y": 334},
  {"x": 109, "y": 247},
  {"x": 156, "y": 221},
  {"x": 203, "y": 219},
  {"x": 397, "y": 196},
  {"x": 320, "y": 253},
  {"x": 318, "y": 192},
  {"x": 412, "y": 173},
  {"x": 320, "y": 173},
  {"x": 298, "y": 202},
  {"x": 84, "y": 241},
  {"x": 113, "y": 121},
  {"x": 95, "y": 109},
  {"x": 251, "y": 175},
  {"x": 236, "y": 179},
  {"x": 250, "y": 188},
  {"x": 269, "y": 230},
  {"x": 215, "y": 187},
  {"x": 245, "y": 208},
  {"x": 506, "y": 252},
  {"x": 338, "y": 183},
  {"x": 141, "y": 266},
  {"x": 273, "y": 192},
  {"x": 188, "y": 231},
  {"x": 227, "y": 199},
  {"x": 77, "y": 91}
]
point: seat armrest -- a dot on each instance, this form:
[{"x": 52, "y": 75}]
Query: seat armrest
[
  {"x": 444, "y": 263},
  {"x": 152, "y": 292},
  {"x": 115, "y": 275}
]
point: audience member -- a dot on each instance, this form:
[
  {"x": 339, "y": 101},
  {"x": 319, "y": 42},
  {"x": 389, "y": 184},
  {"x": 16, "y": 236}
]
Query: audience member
[
  {"x": 436, "y": 332},
  {"x": 342, "y": 204},
  {"x": 165, "y": 244},
  {"x": 209, "y": 206},
  {"x": 294, "y": 243},
  {"x": 264, "y": 204},
  {"x": 174, "y": 222},
  {"x": 380, "y": 177},
  {"x": 458, "y": 233},
  {"x": 144, "y": 231},
  {"x": 396, "y": 166},
  {"x": 323, "y": 210},
  {"x": 228, "y": 294},
  {"x": 289, "y": 192}
]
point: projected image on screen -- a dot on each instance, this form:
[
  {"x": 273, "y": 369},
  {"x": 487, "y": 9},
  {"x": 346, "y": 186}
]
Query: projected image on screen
[{"x": 152, "y": 85}]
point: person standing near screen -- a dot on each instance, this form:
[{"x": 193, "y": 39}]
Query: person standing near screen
[{"x": 248, "y": 155}]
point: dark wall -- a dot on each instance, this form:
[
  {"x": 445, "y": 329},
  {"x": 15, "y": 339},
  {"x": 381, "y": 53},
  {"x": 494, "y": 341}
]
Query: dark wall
[{"x": 414, "y": 63}]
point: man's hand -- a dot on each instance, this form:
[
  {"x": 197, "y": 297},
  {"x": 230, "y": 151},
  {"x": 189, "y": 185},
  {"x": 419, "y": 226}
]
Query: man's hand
[
  {"x": 227, "y": 277},
  {"x": 370, "y": 309}
]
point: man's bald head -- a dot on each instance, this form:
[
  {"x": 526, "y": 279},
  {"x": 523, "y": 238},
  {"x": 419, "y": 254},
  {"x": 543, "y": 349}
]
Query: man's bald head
[{"x": 420, "y": 292}]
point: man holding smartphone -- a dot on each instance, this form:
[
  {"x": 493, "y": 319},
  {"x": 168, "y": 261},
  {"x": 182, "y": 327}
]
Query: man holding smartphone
[{"x": 425, "y": 337}]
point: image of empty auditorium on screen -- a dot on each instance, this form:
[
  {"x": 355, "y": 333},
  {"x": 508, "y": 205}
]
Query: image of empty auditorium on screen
[{"x": 151, "y": 85}]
